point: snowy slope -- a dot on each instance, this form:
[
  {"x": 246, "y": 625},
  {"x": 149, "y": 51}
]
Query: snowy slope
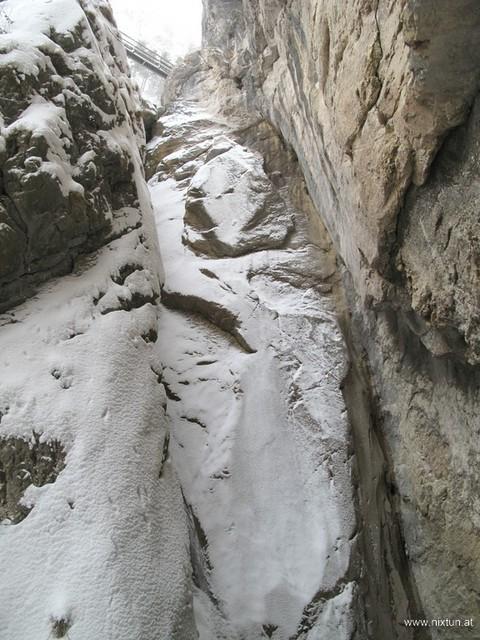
[
  {"x": 104, "y": 546},
  {"x": 252, "y": 362},
  {"x": 99, "y": 548}
]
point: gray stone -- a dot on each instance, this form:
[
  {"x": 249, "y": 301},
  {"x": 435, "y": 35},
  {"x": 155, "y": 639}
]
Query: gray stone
[
  {"x": 61, "y": 176},
  {"x": 23, "y": 463},
  {"x": 370, "y": 96}
]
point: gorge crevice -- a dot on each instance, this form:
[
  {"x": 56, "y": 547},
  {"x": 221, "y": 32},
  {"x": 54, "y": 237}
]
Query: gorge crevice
[
  {"x": 239, "y": 393},
  {"x": 201, "y": 171}
]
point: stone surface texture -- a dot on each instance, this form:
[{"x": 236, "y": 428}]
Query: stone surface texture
[
  {"x": 259, "y": 395},
  {"x": 65, "y": 167},
  {"x": 250, "y": 411},
  {"x": 378, "y": 100}
]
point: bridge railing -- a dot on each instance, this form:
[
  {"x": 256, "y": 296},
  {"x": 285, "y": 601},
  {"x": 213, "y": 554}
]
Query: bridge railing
[{"x": 146, "y": 56}]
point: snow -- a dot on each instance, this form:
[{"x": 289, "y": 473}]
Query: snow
[
  {"x": 27, "y": 30},
  {"x": 116, "y": 563},
  {"x": 235, "y": 196},
  {"x": 25, "y": 51},
  {"x": 48, "y": 121},
  {"x": 244, "y": 380},
  {"x": 63, "y": 15},
  {"x": 105, "y": 545},
  {"x": 259, "y": 437}
]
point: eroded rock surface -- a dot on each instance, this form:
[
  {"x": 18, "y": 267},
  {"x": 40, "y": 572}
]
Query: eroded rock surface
[
  {"x": 231, "y": 207},
  {"x": 215, "y": 431},
  {"x": 24, "y": 463},
  {"x": 103, "y": 549},
  {"x": 378, "y": 100},
  {"x": 366, "y": 94},
  {"x": 370, "y": 76},
  {"x": 253, "y": 363},
  {"x": 65, "y": 160}
]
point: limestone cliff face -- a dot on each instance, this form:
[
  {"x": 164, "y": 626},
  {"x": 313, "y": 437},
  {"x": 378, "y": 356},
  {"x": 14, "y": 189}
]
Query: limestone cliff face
[
  {"x": 378, "y": 101},
  {"x": 365, "y": 93},
  {"x": 65, "y": 168}
]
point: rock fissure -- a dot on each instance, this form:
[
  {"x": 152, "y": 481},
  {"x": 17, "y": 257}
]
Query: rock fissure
[
  {"x": 276, "y": 434},
  {"x": 294, "y": 290},
  {"x": 401, "y": 216}
]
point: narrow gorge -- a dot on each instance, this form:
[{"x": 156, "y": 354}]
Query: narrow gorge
[{"x": 239, "y": 334}]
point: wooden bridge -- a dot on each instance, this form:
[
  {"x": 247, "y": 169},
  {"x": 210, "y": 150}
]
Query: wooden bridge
[{"x": 149, "y": 58}]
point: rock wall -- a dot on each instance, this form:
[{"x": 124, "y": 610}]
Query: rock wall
[
  {"x": 378, "y": 101},
  {"x": 294, "y": 430},
  {"x": 65, "y": 171},
  {"x": 253, "y": 364},
  {"x": 94, "y": 536}
]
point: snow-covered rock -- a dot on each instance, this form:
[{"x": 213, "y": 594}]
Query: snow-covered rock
[
  {"x": 70, "y": 127},
  {"x": 380, "y": 101},
  {"x": 186, "y": 450},
  {"x": 252, "y": 360},
  {"x": 231, "y": 208},
  {"x": 93, "y": 531},
  {"x": 100, "y": 549}
]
